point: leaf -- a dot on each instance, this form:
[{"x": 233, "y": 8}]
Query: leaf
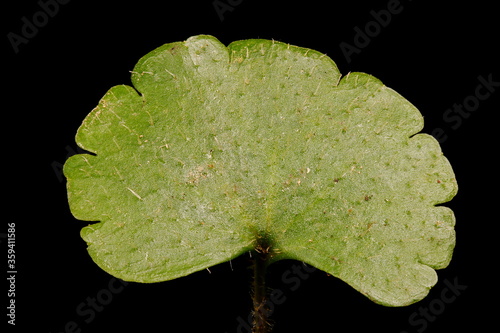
[{"x": 222, "y": 150}]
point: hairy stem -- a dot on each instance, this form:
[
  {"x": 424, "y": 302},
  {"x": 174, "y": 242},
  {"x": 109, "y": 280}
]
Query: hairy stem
[{"x": 260, "y": 311}]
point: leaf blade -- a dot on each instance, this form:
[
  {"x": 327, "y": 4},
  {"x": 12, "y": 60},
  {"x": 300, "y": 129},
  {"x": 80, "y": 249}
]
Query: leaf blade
[{"x": 221, "y": 147}]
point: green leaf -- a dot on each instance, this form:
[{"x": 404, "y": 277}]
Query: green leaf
[{"x": 219, "y": 150}]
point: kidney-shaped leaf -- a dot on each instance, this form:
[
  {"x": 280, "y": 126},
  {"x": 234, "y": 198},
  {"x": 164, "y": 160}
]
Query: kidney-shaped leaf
[{"x": 220, "y": 149}]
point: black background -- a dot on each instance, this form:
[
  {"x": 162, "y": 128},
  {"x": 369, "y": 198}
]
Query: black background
[{"x": 430, "y": 53}]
